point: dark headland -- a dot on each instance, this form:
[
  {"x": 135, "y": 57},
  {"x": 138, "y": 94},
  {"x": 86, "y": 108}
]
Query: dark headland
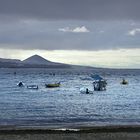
[
  {"x": 34, "y": 61},
  {"x": 37, "y": 61}
]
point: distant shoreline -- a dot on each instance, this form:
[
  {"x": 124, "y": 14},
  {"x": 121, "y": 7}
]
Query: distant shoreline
[
  {"x": 37, "y": 61},
  {"x": 70, "y": 67}
]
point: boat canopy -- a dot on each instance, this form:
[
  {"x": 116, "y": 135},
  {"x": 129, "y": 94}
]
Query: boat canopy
[{"x": 96, "y": 77}]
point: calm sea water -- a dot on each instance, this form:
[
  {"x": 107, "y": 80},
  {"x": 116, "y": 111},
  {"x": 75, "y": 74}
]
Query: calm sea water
[{"x": 66, "y": 106}]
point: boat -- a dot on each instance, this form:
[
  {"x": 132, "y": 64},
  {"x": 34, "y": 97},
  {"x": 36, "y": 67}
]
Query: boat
[
  {"x": 52, "y": 85},
  {"x": 99, "y": 83},
  {"x": 86, "y": 91},
  {"x": 32, "y": 87},
  {"x": 124, "y": 82},
  {"x": 20, "y": 84}
]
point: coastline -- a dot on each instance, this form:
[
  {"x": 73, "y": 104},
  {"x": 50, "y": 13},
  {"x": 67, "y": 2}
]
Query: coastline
[{"x": 83, "y": 133}]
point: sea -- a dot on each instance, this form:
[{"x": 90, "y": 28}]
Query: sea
[{"x": 65, "y": 106}]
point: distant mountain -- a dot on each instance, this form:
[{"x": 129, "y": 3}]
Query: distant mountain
[
  {"x": 34, "y": 61},
  {"x": 38, "y": 61}
]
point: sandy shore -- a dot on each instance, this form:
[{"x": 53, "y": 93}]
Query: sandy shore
[{"x": 88, "y": 133}]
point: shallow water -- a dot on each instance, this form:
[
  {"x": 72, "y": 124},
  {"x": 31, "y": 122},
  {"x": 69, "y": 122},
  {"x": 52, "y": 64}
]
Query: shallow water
[{"x": 66, "y": 106}]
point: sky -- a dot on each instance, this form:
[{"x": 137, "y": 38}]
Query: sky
[{"x": 101, "y": 33}]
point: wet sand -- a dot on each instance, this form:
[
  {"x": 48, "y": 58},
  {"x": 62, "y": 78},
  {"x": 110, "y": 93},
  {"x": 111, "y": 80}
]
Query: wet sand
[{"x": 88, "y": 133}]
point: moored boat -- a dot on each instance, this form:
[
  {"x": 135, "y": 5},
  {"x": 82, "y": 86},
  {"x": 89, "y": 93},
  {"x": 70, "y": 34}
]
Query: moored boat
[
  {"x": 20, "y": 84},
  {"x": 52, "y": 85},
  {"x": 99, "y": 83},
  {"x": 86, "y": 91},
  {"x": 32, "y": 86},
  {"x": 124, "y": 82}
]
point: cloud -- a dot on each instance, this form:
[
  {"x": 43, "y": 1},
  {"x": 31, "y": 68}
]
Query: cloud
[
  {"x": 134, "y": 32},
  {"x": 81, "y": 29},
  {"x": 71, "y": 9},
  {"x": 44, "y": 35},
  {"x": 90, "y": 24}
]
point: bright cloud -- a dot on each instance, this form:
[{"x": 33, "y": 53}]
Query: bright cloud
[
  {"x": 81, "y": 29},
  {"x": 134, "y": 32}
]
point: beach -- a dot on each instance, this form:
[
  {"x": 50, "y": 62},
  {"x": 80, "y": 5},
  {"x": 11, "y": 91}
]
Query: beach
[{"x": 92, "y": 133}]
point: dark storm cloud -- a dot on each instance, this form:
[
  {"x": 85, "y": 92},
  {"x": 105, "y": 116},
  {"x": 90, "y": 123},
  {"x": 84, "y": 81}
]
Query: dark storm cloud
[
  {"x": 69, "y": 24},
  {"x": 71, "y": 9}
]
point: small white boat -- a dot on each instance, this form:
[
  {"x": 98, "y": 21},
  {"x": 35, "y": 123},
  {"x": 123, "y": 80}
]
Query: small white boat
[
  {"x": 32, "y": 87},
  {"x": 86, "y": 91}
]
